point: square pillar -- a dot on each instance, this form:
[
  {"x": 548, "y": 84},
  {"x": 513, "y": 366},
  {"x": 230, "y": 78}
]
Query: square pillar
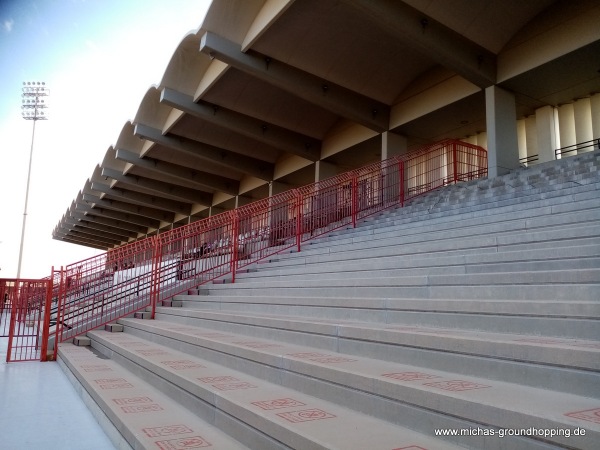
[
  {"x": 324, "y": 170},
  {"x": 501, "y": 120},
  {"x": 392, "y": 144},
  {"x": 583, "y": 123},
  {"x": 546, "y": 133}
]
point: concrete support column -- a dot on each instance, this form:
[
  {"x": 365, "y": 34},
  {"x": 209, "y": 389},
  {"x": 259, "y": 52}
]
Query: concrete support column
[
  {"x": 595, "y": 111},
  {"x": 566, "y": 125},
  {"x": 546, "y": 133},
  {"x": 276, "y": 187},
  {"x": 470, "y": 139},
  {"x": 583, "y": 122},
  {"x": 482, "y": 139},
  {"x": 522, "y": 138},
  {"x": 241, "y": 200},
  {"x": 392, "y": 144},
  {"x": 531, "y": 137},
  {"x": 324, "y": 170},
  {"x": 501, "y": 121}
]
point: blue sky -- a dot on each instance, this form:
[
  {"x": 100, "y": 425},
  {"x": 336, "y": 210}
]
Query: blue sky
[{"x": 98, "y": 58}]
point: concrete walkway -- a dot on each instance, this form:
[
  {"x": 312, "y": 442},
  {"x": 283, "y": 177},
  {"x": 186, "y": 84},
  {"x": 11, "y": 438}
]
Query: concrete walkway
[{"x": 40, "y": 409}]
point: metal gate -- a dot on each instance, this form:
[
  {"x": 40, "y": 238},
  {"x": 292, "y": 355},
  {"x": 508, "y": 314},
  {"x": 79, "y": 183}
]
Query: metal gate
[{"x": 23, "y": 306}]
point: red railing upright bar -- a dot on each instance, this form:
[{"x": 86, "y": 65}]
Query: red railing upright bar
[{"x": 147, "y": 272}]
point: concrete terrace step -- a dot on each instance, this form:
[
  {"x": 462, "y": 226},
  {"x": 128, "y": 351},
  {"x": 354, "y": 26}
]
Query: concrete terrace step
[
  {"x": 411, "y": 395},
  {"x": 450, "y": 265},
  {"x": 409, "y": 218},
  {"x": 263, "y": 414},
  {"x": 587, "y": 292},
  {"x": 529, "y": 219},
  {"x": 578, "y": 248},
  {"x": 143, "y": 416},
  {"x": 582, "y": 354},
  {"x": 463, "y": 198},
  {"x": 379, "y": 309},
  {"x": 342, "y": 280},
  {"x": 420, "y": 244},
  {"x": 467, "y": 228},
  {"x": 573, "y": 324},
  {"x": 439, "y": 200}
]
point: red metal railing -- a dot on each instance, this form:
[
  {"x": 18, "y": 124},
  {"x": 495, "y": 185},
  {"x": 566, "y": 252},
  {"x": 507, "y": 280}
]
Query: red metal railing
[
  {"x": 25, "y": 317},
  {"x": 145, "y": 273}
]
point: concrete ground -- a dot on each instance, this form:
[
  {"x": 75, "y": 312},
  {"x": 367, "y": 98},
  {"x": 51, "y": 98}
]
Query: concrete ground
[{"x": 41, "y": 410}]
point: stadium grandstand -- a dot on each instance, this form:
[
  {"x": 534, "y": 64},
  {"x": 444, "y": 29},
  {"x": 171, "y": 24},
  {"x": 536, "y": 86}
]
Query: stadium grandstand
[{"x": 343, "y": 224}]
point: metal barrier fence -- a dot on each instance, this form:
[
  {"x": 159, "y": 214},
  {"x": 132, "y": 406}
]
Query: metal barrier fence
[
  {"x": 143, "y": 274},
  {"x": 25, "y": 316},
  {"x": 581, "y": 147}
]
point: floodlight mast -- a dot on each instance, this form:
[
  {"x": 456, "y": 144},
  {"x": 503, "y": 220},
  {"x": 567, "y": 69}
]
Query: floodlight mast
[{"x": 33, "y": 108}]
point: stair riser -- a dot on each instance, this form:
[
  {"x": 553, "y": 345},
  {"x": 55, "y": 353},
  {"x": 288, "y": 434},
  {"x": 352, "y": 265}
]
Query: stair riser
[{"x": 351, "y": 270}]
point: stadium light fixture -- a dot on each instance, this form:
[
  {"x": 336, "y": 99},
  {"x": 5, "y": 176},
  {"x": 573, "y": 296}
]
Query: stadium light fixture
[{"x": 34, "y": 107}]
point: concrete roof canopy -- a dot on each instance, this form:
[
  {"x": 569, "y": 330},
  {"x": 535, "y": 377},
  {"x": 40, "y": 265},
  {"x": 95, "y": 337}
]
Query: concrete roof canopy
[{"x": 264, "y": 90}]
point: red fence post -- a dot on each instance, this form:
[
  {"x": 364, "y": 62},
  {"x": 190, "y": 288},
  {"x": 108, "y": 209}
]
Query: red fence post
[
  {"x": 47, "y": 310},
  {"x": 455, "y": 161},
  {"x": 234, "y": 251},
  {"x": 59, "y": 311},
  {"x": 13, "y": 316},
  {"x": 155, "y": 276},
  {"x": 401, "y": 181},
  {"x": 299, "y": 219},
  {"x": 354, "y": 197}
]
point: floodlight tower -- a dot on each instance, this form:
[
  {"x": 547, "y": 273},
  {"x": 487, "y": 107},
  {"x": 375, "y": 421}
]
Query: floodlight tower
[{"x": 33, "y": 108}]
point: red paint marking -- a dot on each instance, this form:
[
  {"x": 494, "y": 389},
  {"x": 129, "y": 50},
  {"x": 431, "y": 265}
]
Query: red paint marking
[
  {"x": 132, "y": 400},
  {"x": 409, "y": 376},
  {"x": 218, "y": 379},
  {"x": 306, "y": 415},
  {"x": 167, "y": 430},
  {"x": 151, "y": 352},
  {"x": 332, "y": 360},
  {"x": 183, "y": 443},
  {"x": 591, "y": 415},
  {"x": 183, "y": 364},
  {"x": 113, "y": 383},
  {"x": 110, "y": 380},
  {"x": 142, "y": 408},
  {"x": 457, "y": 385},
  {"x": 278, "y": 403}
]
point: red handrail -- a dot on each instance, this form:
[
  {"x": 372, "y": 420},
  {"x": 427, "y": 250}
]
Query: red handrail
[{"x": 152, "y": 270}]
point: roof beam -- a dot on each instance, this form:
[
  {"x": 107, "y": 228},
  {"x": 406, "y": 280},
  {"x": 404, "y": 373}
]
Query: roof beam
[
  {"x": 79, "y": 241},
  {"x": 86, "y": 223},
  {"x": 289, "y": 141},
  {"x": 138, "y": 198},
  {"x": 431, "y": 38},
  {"x": 87, "y": 236},
  {"x": 188, "y": 175},
  {"x": 150, "y": 213},
  {"x": 118, "y": 215},
  {"x": 245, "y": 164},
  {"x": 91, "y": 217},
  {"x": 366, "y": 111},
  {"x": 84, "y": 233},
  {"x": 160, "y": 188}
]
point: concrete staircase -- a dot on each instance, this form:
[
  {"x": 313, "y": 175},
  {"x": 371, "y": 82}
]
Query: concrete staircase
[{"x": 473, "y": 310}]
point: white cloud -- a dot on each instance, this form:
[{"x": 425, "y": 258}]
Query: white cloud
[{"x": 7, "y": 25}]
